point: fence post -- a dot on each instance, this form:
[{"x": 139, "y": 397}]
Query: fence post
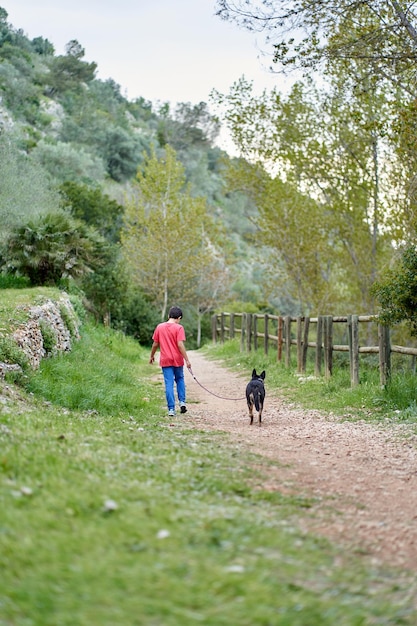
[
  {"x": 214, "y": 327},
  {"x": 354, "y": 378},
  {"x": 384, "y": 340},
  {"x": 287, "y": 323},
  {"x": 305, "y": 344},
  {"x": 249, "y": 331},
  {"x": 242, "y": 333},
  {"x": 266, "y": 333},
  {"x": 349, "y": 337},
  {"x": 255, "y": 331},
  {"x": 299, "y": 344},
  {"x": 319, "y": 346},
  {"x": 279, "y": 334},
  {"x": 328, "y": 345},
  {"x": 222, "y": 327},
  {"x": 232, "y": 326}
]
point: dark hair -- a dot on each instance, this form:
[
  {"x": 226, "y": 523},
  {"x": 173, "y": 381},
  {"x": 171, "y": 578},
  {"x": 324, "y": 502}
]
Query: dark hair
[{"x": 175, "y": 312}]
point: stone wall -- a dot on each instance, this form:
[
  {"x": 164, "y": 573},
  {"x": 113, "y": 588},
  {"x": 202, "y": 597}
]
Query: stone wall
[{"x": 51, "y": 328}]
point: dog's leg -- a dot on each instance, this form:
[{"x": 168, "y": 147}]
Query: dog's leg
[
  {"x": 249, "y": 399},
  {"x": 251, "y": 413},
  {"x": 261, "y": 408}
]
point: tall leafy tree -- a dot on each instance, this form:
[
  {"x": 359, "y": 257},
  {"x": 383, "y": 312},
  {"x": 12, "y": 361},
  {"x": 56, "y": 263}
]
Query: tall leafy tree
[
  {"x": 296, "y": 259},
  {"x": 309, "y": 34},
  {"x": 166, "y": 233},
  {"x": 69, "y": 72},
  {"x": 325, "y": 146}
]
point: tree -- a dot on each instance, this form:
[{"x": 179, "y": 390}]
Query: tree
[
  {"x": 166, "y": 233},
  {"x": 25, "y": 190},
  {"x": 65, "y": 161},
  {"x": 327, "y": 147},
  {"x": 68, "y": 72},
  {"x": 94, "y": 207},
  {"x": 43, "y": 46},
  {"x": 296, "y": 256},
  {"x": 189, "y": 126},
  {"x": 306, "y": 33}
]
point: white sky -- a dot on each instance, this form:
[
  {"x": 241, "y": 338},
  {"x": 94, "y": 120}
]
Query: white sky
[{"x": 161, "y": 50}]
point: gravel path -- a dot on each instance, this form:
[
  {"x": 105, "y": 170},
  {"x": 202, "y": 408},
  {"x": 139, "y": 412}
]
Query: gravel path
[{"x": 362, "y": 477}]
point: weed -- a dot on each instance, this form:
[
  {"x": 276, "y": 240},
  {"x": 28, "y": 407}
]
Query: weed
[
  {"x": 49, "y": 337},
  {"x": 10, "y": 352}
]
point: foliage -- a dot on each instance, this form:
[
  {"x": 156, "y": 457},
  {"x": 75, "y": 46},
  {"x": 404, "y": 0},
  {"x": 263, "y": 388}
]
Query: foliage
[
  {"x": 11, "y": 353},
  {"x": 316, "y": 179},
  {"x": 397, "y": 291},
  {"x": 49, "y": 337},
  {"x": 69, "y": 72},
  {"x": 25, "y": 191},
  {"x": 52, "y": 247},
  {"x": 190, "y": 126},
  {"x": 307, "y": 34},
  {"x": 70, "y": 318},
  {"x": 66, "y": 162},
  {"x": 136, "y": 316},
  {"x": 94, "y": 207},
  {"x": 97, "y": 119},
  {"x": 11, "y": 281},
  {"x": 169, "y": 241},
  {"x": 345, "y": 153},
  {"x": 122, "y": 153}
]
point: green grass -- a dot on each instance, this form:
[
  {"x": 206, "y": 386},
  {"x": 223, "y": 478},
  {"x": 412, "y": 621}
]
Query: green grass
[
  {"x": 191, "y": 537},
  {"x": 15, "y": 305}
]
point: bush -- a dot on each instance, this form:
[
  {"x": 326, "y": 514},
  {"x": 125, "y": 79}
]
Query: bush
[
  {"x": 49, "y": 337},
  {"x": 10, "y": 281},
  {"x": 397, "y": 294},
  {"x": 12, "y": 354},
  {"x": 50, "y": 248},
  {"x": 69, "y": 319}
]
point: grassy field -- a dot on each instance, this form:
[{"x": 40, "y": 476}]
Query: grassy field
[{"x": 111, "y": 516}]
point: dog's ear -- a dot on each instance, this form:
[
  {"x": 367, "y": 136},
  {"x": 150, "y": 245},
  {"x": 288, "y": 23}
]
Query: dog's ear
[
  {"x": 262, "y": 375},
  {"x": 254, "y": 374}
]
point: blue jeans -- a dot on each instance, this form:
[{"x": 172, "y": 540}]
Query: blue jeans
[{"x": 172, "y": 374}]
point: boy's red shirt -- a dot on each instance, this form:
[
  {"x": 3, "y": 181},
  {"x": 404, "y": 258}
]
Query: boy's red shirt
[{"x": 167, "y": 335}]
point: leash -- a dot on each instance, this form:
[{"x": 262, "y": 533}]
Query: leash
[{"x": 212, "y": 393}]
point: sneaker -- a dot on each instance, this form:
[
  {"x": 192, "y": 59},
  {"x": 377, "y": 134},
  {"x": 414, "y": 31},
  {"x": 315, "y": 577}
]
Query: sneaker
[
  {"x": 183, "y": 408},
  {"x": 171, "y": 413}
]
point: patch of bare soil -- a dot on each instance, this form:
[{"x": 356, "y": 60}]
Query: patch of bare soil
[{"x": 362, "y": 477}]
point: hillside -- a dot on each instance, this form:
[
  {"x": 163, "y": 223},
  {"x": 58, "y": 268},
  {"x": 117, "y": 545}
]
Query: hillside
[{"x": 62, "y": 125}]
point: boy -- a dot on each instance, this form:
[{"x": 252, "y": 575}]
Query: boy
[{"x": 169, "y": 337}]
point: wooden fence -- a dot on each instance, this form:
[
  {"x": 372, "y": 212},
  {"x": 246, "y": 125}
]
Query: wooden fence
[{"x": 255, "y": 329}]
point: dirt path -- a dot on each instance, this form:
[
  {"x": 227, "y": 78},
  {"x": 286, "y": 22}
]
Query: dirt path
[{"x": 363, "y": 478}]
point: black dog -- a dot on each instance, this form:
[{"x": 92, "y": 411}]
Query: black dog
[{"x": 255, "y": 395}]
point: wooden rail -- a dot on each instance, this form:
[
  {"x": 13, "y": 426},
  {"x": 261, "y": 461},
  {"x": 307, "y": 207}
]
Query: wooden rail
[{"x": 228, "y": 325}]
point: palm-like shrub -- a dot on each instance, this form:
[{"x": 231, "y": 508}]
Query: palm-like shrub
[{"x": 52, "y": 247}]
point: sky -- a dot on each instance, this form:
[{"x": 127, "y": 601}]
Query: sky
[{"x": 161, "y": 50}]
